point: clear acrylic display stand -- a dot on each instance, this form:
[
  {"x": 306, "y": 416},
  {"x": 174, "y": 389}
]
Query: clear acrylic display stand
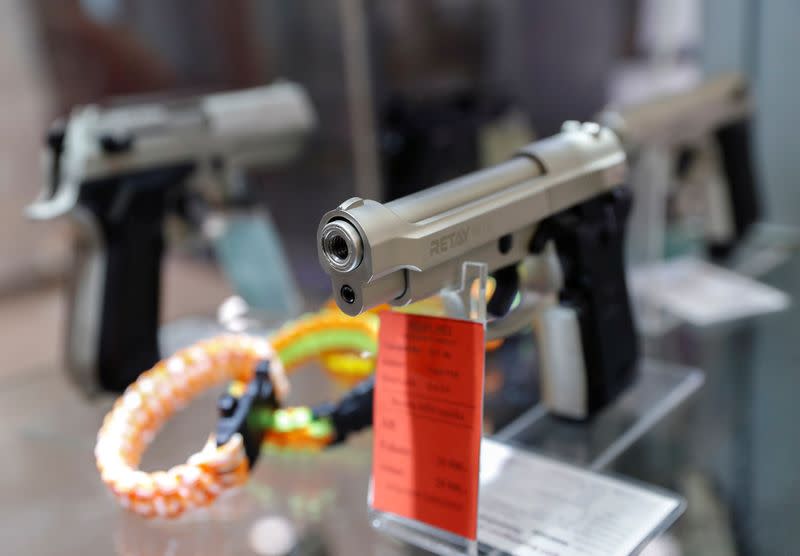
[
  {"x": 647, "y": 223},
  {"x": 466, "y": 303},
  {"x": 659, "y": 389},
  {"x": 766, "y": 247}
]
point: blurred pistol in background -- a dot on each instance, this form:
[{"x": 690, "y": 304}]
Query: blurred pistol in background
[
  {"x": 700, "y": 137},
  {"x": 118, "y": 172},
  {"x": 565, "y": 191}
]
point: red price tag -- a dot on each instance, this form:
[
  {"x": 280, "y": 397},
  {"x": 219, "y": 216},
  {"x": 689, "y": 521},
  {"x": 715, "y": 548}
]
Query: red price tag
[{"x": 427, "y": 420}]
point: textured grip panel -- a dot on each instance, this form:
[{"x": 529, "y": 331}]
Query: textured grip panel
[
  {"x": 130, "y": 212},
  {"x": 734, "y": 141}
]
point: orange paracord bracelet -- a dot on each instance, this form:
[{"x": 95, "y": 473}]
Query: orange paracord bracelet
[
  {"x": 345, "y": 346},
  {"x": 340, "y": 341}
]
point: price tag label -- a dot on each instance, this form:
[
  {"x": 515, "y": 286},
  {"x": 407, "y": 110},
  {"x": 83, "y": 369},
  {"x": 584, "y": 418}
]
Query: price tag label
[{"x": 427, "y": 420}]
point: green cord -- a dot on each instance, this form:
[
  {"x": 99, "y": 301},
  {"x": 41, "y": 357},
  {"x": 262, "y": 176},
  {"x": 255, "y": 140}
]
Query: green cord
[{"x": 326, "y": 340}]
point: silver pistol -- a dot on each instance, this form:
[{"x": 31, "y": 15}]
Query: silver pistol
[
  {"x": 117, "y": 172},
  {"x": 566, "y": 190},
  {"x": 705, "y": 132}
]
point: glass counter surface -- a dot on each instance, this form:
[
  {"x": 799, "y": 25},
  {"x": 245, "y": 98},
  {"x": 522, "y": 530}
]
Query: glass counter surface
[
  {"x": 53, "y": 501},
  {"x": 733, "y": 451}
]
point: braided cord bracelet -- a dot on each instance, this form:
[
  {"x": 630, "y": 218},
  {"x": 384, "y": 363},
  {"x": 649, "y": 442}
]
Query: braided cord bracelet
[
  {"x": 250, "y": 419},
  {"x": 346, "y": 347}
]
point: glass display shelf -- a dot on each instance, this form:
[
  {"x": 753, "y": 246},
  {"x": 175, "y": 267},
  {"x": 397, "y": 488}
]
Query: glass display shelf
[
  {"x": 560, "y": 478},
  {"x": 556, "y": 462},
  {"x": 659, "y": 389}
]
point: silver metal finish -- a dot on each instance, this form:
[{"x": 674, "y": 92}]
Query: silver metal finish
[
  {"x": 683, "y": 117},
  {"x": 341, "y": 245},
  {"x": 249, "y": 128},
  {"x": 651, "y": 131},
  {"x": 218, "y": 134},
  {"x": 414, "y": 246}
]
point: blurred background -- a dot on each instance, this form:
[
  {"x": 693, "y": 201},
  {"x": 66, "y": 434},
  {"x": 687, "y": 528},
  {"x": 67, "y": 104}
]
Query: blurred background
[{"x": 408, "y": 94}]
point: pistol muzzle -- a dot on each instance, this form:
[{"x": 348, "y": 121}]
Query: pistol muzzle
[{"x": 341, "y": 245}]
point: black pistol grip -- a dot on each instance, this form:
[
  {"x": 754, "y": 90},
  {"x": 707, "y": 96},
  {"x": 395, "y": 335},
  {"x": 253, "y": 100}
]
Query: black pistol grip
[
  {"x": 735, "y": 146},
  {"x": 128, "y": 214},
  {"x": 590, "y": 240}
]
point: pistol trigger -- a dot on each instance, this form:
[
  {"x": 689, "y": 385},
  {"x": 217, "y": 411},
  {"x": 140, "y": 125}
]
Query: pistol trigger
[{"x": 505, "y": 291}]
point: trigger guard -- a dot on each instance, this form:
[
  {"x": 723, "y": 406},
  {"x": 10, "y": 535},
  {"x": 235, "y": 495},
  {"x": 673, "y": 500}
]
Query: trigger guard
[
  {"x": 518, "y": 319},
  {"x": 52, "y": 207}
]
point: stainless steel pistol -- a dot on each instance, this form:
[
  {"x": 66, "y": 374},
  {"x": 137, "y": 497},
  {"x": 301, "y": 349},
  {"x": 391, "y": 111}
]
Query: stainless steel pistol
[
  {"x": 566, "y": 191},
  {"x": 117, "y": 172},
  {"x": 710, "y": 124}
]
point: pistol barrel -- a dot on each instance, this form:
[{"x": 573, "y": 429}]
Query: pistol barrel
[
  {"x": 411, "y": 248},
  {"x": 676, "y": 118}
]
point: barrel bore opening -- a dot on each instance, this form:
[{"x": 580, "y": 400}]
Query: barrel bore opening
[
  {"x": 341, "y": 246},
  {"x": 337, "y": 248}
]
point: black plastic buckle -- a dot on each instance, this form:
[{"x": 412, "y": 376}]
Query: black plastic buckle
[
  {"x": 350, "y": 414},
  {"x": 250, "y": 414}
]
